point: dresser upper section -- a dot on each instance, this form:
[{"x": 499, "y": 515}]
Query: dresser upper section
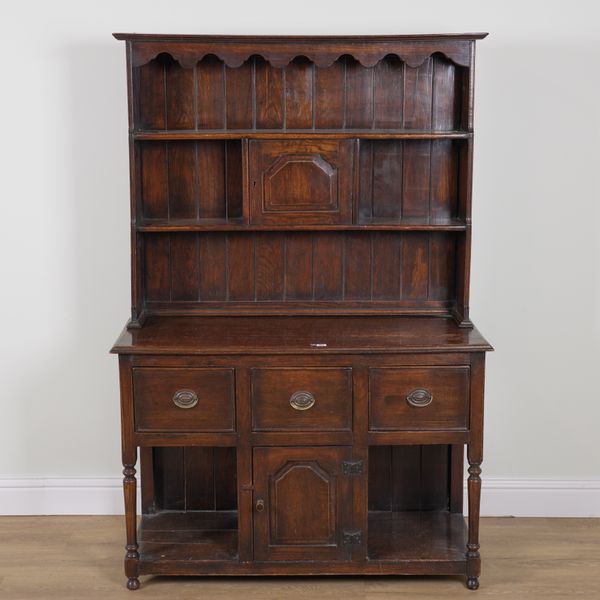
[{"x": 287, "y": 175}]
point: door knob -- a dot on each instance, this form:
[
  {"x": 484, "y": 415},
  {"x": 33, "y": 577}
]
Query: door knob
[{"x": 260, "y": 505}]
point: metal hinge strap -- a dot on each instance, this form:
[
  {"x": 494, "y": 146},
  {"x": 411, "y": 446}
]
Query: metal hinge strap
[{"x": 352, "y": 467}]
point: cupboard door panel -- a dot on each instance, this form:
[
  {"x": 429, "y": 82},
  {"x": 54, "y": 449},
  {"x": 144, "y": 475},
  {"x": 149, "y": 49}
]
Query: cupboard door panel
[
  {"x": 301, "y": 503},
  {"x": 301, "y": 181}
]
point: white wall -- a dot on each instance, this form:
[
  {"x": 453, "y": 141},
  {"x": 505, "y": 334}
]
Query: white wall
[{"x": 64, "y": 235}]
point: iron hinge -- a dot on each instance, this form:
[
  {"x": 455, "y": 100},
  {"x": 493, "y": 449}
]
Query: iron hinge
[
  {"x": 352, "y": 467},
  {"x": 352, "y": 537}
]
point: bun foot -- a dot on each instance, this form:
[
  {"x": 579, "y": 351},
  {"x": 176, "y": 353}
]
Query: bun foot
[
  {"x": 133, "y": 583},
  {"x": 473, "y": 583}
]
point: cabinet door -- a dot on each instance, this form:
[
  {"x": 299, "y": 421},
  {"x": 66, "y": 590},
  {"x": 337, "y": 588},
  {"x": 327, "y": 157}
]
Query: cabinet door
[
  {"x": 302, "y": 503},
  {"x": 300, "y": 181}
]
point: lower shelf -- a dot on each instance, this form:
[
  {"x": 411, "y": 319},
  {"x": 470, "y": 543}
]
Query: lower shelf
[
  {"x": 206, "y": 542},
  {"x": 416, "y": 536},
  {"x": 191, "y": 536}
]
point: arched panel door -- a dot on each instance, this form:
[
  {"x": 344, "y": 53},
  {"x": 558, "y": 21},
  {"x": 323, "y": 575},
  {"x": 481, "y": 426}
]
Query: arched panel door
[
  {"x": 300, "y": 181},
  {"x": 301, "y": 503}
]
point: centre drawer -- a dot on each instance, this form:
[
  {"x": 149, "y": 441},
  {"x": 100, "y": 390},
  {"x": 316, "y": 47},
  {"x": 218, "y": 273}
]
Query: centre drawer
[
  {"x": 311, "y": 399},
  {"x": 184, "y": 399},
  {"x": 419, "y": 398}
]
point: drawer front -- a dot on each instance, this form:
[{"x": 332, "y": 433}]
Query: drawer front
[
  {"x": 318, "y": 399},
  {"x": 409, "y": 398},
  {"x": 184, "y": 399},
  {"x": 299, "y": 181}
]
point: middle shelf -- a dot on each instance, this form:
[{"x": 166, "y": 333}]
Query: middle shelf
[{"x": 329, "y": 184}]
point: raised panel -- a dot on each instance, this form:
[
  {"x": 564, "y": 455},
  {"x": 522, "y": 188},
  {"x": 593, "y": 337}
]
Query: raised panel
[
  {"x": 305, "y": 498},
  {"x": 300, "y": 181},
  {"x": 309, "y": 520}
]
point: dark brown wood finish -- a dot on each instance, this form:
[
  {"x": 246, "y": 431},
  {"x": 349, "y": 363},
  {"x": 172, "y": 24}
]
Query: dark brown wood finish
[{"x": 299, "y": 371}]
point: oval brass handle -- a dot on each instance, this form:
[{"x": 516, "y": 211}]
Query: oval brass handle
[
  {"x": 302, "y": 400},
  {"x": 419, "y": 398},
  {"x": 260, "y": 505},
  {"x": 185, "y": 398}
]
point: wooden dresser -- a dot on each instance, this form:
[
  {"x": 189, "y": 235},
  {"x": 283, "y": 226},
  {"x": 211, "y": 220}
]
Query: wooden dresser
[{"x": 300, "y": 373}]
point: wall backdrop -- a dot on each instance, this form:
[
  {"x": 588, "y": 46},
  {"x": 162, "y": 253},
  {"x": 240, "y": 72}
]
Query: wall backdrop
[{"x": 65, "y": 237}]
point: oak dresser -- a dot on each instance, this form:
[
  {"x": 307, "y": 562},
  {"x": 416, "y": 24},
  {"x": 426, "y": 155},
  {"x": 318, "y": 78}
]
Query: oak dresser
[{"x": 300, "y": 374}]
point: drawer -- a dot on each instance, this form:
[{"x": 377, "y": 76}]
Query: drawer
[
  {"x": 408, "y": 398},
  {"x": 300, "y": 181},
  {"x": 184, "y": 399},
  {"x": 317, "y": 399}
]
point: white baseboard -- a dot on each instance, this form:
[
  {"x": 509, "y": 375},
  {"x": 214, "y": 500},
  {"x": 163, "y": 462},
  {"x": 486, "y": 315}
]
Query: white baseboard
[{"x": 104, "y": 496}]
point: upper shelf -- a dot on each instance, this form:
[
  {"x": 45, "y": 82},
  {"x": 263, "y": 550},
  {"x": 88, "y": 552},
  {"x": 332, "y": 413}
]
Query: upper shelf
[
  {"x": 372, "y": 134},
  {"x": 323, "y": 51}
]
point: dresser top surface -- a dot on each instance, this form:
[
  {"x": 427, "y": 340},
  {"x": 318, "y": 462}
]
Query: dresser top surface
[{"x": 299, "y": 335}]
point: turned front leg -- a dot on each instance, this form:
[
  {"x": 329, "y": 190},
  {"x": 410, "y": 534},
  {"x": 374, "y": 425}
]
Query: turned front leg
[
  {"x": 473, "y": 556},
  {"x": 132, "y": 556}
]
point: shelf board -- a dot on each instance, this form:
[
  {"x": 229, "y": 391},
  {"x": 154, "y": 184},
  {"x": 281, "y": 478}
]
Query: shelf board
[
  {"x": 188, "y": 535},
  {"x": 173, "y": 226},
  {"x": 268, "y": 134},
  {"x": 416, "y": 535}
]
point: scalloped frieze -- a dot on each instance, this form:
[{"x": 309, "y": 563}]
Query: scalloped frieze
[{"x": 322, "y": 55}]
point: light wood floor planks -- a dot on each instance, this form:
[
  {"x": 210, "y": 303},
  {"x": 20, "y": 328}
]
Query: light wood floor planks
[{"x": 80, "y": 558}]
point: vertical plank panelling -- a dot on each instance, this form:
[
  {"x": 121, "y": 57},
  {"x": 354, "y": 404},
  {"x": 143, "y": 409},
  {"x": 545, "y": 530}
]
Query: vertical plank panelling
[
  {"x": 169, "y": 477},
  {"x": 299, "y": 94},
  {"x": 154, "y": 190},
  {"x": 269, "y": 95},
  {"x": 330, "y": 96},
  {"x": 434, "y": 482},
  {"x": 365, "y": 181},
  {"x": 213, "y": 265},
  {"x": 380, "y": 478},
  {"x": 211, "y": 93},
  {"x": 417, "y": 95},
  {"x": 211, "y": 176},
  {"x": 239, "y": 96},
  {"x": 328, "y": 266},
  {"x": 225, "y": 482},
  {"x": 298, "y": 266},
  {"x": 388, "y": 88},
  {"x": 406, "y": 477},
  {"x": 416, "y": 179},
  {"x": 387, "y": 179},
  {"x": 151, "y": 110},
  {"x": 156, "y": 266},
  {"x": 359, "y": 95},
  {"x": 386, "y": 265},
  {"x": 180, "y": 100},
  {"x": 444, "y": 186},
  {"x": 415, "y": 265},
  {"x": 183, "y": 182},
  {"x": 269, "y": 266},
  {"x": 357, "y": 275},
  {"x": 234, "y": 179},
  {"x": 446, "y": 106},
  {"x": 185, "y": 267},
  {"x": 442, "y": 257},
  {"x": 199, "y": 468},
  {"x": 240, "y": 268}
]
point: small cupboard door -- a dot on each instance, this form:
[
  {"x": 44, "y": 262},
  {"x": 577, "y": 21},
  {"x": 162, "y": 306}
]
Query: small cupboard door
[
  {"x": 300, "y": 181},
  {"x": 302, "y": 503}
]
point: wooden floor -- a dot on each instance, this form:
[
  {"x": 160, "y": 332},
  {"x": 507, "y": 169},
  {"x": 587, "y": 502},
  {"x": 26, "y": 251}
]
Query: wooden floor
[{"x": 81, "y": 558}]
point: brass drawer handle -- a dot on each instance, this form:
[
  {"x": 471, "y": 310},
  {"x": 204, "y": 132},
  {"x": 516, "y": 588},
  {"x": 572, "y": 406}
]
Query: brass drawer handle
[
  {"x": 185, "y": 398},
  {"x": 419, "y": 398},
  {"x": 302, "y": 400}
]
